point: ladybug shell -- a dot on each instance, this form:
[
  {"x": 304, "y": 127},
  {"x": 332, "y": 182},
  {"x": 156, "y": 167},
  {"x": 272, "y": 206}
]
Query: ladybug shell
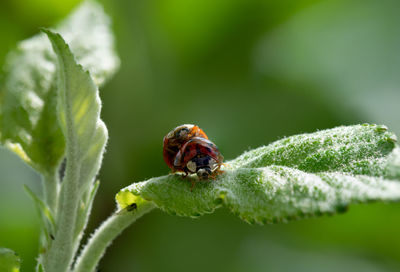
[
  {"x": 176, "y": 138},
  {"x": 199, "y": 153}
]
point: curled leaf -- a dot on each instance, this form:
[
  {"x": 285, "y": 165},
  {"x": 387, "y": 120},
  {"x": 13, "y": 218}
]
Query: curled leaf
[{"x": 295, "y": 177}]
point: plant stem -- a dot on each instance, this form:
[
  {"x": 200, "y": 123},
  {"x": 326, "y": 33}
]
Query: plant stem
[
  {"x": 60, "y": 254},
  {"x": 105, "y": 234},
  {"x": 50, "y": 189}
]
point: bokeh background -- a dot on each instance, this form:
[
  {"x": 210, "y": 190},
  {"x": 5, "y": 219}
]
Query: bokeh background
[{"x": 248, "y": 72}]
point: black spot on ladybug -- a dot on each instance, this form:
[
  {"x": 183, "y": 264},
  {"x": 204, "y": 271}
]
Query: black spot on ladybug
[
  {"x": 206, "y": 160},
  {"x": 198, "y": 149},
  {"x": 183, "y": 156},
  {"x": 201, "y": 161},
  {"x": 173, "y": 149}
]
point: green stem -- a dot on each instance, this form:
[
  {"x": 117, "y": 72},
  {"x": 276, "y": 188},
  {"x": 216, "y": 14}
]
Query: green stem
[
  {"x": 60, "y": 254},
  {"x": 105, "y": 234},
  {"x": 51, "y": 186},
  {"x": 47, "y": 207}
]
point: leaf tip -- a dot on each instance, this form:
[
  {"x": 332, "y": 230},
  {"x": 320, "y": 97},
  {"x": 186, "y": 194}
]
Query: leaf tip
[
  {"x": 125, "y": 199},
  {"x": 50, "y": 33}
]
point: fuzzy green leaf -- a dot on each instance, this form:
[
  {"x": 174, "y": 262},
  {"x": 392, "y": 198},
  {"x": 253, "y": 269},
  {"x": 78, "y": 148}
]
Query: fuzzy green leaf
[
  {"x": 295, "y": 177},
  {"x": 78, "y": 102},
  {"x": 28, "y": 97},
  {"x": 9, "y": 261},
  {"x": 78, "y": 108}
]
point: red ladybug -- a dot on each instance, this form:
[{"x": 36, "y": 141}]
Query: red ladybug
[
  {"x": 199, "y": 156},
  {"x": 176, "y": 138}
]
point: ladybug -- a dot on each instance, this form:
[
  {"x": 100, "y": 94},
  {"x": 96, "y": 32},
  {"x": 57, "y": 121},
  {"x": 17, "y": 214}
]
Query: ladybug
[
  {"x": 176, "y": 138},
  {"x": 199, "y": 156}
]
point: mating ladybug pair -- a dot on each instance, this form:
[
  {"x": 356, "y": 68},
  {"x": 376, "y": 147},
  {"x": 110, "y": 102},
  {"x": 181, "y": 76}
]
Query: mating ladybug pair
[{"x": 188, "y": 150}]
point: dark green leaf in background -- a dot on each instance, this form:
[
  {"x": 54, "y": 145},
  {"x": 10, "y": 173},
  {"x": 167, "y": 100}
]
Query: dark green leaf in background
[{"x": 347, "y": 50}]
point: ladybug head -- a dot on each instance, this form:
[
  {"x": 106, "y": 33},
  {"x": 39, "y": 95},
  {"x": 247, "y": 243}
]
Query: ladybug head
[
  {"x": 183, "y": 131},
  {"x": 204, "y": 173},
  {"x": 179, "y": 134}
]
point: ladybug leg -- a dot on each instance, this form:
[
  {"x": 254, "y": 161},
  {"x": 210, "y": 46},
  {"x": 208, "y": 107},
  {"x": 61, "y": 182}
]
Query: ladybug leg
[
  {"x": 185, "y": 174},
  {"x": 216, "y": 172},
  {"x": 213, "y": 175}
]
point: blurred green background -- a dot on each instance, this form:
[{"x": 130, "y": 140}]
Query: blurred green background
[{"x": 248, "y": 73}]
